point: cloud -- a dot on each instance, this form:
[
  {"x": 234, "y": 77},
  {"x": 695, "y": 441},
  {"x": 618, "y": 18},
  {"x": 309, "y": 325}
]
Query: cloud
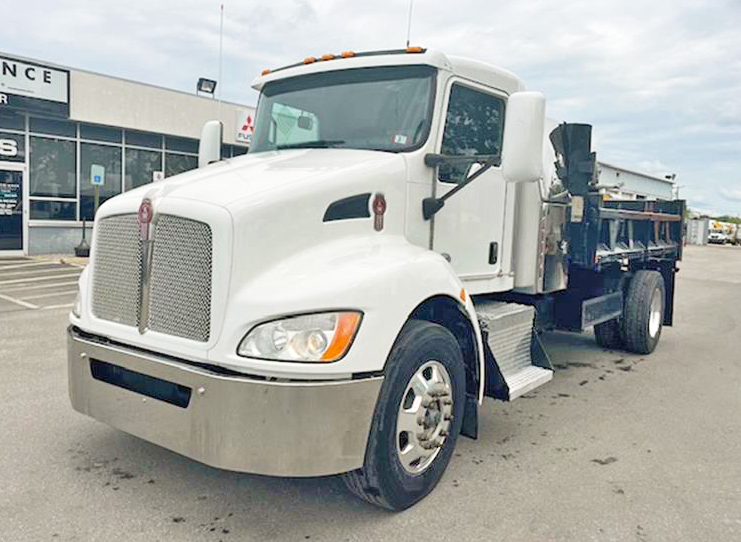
[{"x": 733, "y": 194}]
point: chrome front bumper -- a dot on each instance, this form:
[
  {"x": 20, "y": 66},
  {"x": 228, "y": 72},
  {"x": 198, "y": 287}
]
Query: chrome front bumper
[{"x": 228, "y": 422}]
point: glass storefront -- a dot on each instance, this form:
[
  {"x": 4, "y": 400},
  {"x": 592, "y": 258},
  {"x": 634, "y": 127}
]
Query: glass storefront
[{"x": 63, "y": 155}]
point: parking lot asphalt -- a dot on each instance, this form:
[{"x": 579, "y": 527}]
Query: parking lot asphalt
[
  {"x": 37, "y": 283},
  {"x": 616, "y": 447}
]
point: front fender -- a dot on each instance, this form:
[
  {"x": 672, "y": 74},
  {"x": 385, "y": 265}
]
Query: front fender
[{"x": 382, "y": 275}]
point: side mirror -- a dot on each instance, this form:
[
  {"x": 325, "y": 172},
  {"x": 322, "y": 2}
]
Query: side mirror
[
  {"x": 522, "y": 147},
  {"x": 209, "y": 147}
]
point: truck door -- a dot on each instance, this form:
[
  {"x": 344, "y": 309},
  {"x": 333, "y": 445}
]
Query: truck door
[{"x": 470, "y": 228}]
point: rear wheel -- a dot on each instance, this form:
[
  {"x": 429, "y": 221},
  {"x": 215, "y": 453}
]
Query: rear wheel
[
  {"x": 608, "y": 335},
  {"x": 643, "y": 314},
  {"x": 417, "y": 419}
]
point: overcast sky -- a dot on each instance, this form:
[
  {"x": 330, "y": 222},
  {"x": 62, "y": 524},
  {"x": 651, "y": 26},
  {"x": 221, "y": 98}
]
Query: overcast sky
[{"x": 659, "y": 80}]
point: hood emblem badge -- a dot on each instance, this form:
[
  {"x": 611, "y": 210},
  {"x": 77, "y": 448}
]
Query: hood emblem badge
[
  {"x": 144, "y": 218},
  {"x": 379, "y": 209}
]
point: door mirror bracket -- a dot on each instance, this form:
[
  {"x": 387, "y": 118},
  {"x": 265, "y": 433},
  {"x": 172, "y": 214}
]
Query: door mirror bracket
[{"x": 479, "y": 165}]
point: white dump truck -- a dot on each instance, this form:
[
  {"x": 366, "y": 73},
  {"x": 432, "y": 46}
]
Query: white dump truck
[{"x": 341, "y": 299}]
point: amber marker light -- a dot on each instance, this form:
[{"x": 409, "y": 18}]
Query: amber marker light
[
  {"x": 347, "y": 325},
  {"x": 328, "y": 56},
  {"x": 462, "y": 295},
  {"x": 309, "y": 60},
  {"x": 347, "y": 54},
  {"x": 415, "y": 49},
  {"x": 265, "y": 71}
]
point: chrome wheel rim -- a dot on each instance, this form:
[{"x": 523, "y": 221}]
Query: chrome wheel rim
[
  {"x": 424, "y": 418},
  {"x": 654, "y": 319}
]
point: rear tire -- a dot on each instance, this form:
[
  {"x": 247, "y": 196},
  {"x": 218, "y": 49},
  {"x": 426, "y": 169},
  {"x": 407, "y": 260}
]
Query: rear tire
[
  {"x": 608, "y": 335},
  {"x": 384, "y": 480},
  {"x": 643, "y": 313}
]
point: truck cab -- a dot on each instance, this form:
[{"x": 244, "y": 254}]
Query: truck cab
[{"x": 341, "y": 299}]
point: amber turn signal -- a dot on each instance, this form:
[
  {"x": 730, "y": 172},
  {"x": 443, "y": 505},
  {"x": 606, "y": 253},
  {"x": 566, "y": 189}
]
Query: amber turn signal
[{"x": 347, "y": 325}]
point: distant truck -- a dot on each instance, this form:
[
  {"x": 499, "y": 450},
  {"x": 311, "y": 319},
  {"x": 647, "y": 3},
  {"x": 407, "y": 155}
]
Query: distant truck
[
  {"x": 341, "y": 299},
  {"x": 722, "y": 233}
]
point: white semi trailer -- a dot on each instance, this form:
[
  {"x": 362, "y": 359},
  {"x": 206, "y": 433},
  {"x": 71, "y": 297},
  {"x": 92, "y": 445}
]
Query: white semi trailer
[{"x": 341, "y": 299}]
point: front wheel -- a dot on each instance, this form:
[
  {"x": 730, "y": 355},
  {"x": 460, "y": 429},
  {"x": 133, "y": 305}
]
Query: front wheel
[{"x": 417, "y": 419}]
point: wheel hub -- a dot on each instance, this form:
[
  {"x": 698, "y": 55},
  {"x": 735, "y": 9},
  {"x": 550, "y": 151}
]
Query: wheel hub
[
  {"x": 654, "y": 319},
  {"x": 424, "y": 418}
]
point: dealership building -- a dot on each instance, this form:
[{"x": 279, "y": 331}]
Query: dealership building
[{"x": 66, "y": 134}]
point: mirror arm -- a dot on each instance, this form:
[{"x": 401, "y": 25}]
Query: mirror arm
[{"x": 431, "y": 205}]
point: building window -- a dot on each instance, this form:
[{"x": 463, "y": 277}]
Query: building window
[
  {"x": 181, "y": 144},
  {"x": 107, "y": 156},
  {"x": 53, "y": 210},
  {"x": 140, "y": 166},
  {"x": 143, "y": 139},
  {"x": 11, "y": 120},
  {"x": 53, "y": 167},
  {"x": 100, "y": 133},
  {"x": 53, "y": 127},
  {"x": 178, "y": 163}
]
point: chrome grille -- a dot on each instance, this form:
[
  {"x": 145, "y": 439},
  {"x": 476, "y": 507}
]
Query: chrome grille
[
  {"x": 117, "y": 273},
  {"x": 180, "y": 275},
  {"x": 180, "y": 295}
]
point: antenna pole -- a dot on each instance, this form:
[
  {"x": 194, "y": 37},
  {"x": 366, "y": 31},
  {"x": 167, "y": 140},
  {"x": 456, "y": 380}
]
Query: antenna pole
[
  {"x": 220, "y": 83},
  {"x": 409, "y": 22}
]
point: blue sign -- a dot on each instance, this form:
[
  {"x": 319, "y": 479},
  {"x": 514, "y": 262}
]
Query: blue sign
[{"x": 97, "y": 175}]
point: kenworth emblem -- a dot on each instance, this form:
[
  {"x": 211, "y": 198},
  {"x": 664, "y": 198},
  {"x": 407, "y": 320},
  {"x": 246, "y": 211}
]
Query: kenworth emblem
[{"x": 145, "y": 216}]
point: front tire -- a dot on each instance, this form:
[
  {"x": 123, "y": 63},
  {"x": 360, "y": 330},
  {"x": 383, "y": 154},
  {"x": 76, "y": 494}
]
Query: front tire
[
  {"x": 643, "y": 314},
  {"x": 417, "y": 419}
]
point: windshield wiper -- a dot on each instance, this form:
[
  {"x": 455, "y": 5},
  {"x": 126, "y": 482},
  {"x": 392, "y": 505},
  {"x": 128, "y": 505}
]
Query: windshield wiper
[{"x": 319, "y": 144}]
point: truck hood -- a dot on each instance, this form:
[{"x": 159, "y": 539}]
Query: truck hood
[{"x": 229, "y": 182}]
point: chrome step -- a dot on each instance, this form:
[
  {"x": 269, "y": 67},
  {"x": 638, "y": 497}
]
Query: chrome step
[
  {"x": 527, "y": 380},
  {"x": 509, "y": 328}
]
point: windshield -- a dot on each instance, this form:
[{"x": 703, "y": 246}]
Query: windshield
[{"x": 384, "y": 108}]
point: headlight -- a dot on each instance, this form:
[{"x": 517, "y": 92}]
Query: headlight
[
  {"x": 77, "y": 306},
  {"x": 312, "y": 337}
]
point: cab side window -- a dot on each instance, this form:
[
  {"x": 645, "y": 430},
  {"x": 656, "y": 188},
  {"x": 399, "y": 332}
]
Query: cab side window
[{"x": 473, "y": 127}]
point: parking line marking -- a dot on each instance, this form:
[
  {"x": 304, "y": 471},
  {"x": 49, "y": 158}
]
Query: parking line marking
[
  {"x": 59, "y": 268},
  {"x": 63, "y": 306},
  {"x": 19, "y": 302},
  {"x": 30, "y": 264},
  {"x": 49, "y": 294},
  {"x": 35, "y": 279},
  {"x": 39, "y": 286}
]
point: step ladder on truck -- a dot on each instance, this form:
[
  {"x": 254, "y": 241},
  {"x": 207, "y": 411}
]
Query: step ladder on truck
[{"x": 341, "y": 299}]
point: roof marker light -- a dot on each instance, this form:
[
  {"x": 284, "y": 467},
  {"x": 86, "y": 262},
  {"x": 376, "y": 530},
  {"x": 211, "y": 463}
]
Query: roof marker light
[
  {"x": 309, "y": 60},
  {"x": 328, "y": 56},
  {"x": 265, "y": 71},
  {"x": 347, "y": 54},
  {"x": 415, "y": 50}
]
